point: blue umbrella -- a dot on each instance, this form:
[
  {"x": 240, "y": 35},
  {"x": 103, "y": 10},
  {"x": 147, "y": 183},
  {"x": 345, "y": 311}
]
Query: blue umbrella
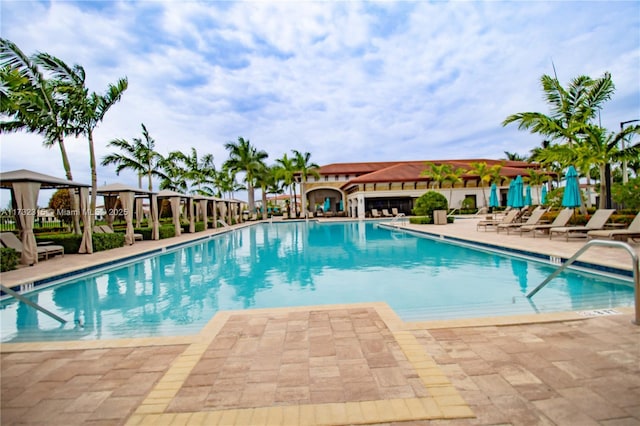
[
  {"x": 493, "y": 198},
  {"x": 527, "y": 197},
  {"x": 571, "y": 196},
  {"x": 341, "y": 207},
  {"x": 543, "y": 197},
  {"x": 518, "y": 199},
  {"x": 510, "y": 194},
  {"x": 327, "y": 204}
]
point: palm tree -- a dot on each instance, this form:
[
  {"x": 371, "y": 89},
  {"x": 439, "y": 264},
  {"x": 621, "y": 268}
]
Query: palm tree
[
  {"x": 90, "y": 107},
  {"x": 513, "y": 156},
  {"x": 225, "y": 181},
  {"x": 601, "y": 148},
  {"x": 454, "y": 177},
  {"x": 306, "y": 168},
  {"x": 139, "y": 156},
  {"x": 35, "y": 105},
  {"x": 536, "y": 179},
  {"x": 571, "y": 108},
  {"x": 286, "y": 171},
  {"x": 484, "y": 173},
  {"x": 243, "y": 157},
  {"x": 198, "y": 171},
  {"x": 437, "y": 173}
]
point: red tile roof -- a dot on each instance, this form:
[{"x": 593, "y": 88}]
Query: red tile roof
[{"x": 410, "y": 171}]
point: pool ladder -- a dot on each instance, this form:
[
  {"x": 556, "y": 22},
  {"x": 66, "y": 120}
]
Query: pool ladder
[{"x": 587, "y": 246}]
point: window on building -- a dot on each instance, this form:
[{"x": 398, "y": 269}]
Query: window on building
[{"x": 326, "y": 178}]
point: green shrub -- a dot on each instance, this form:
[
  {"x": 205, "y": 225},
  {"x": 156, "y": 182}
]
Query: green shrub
[
  {"x": 199, "y": 226},
  {"x": 145, "y": 232},
  {"x": 420, "y": 220},
  {"x": 103, "y": 242},
  {"x": 428, "y": 202},
  {"x": 167, "y": 231},
  {"x": 627, "y": 194},
  {"x": 70, "y": 242},
  {"x": 9, "y": 259}
]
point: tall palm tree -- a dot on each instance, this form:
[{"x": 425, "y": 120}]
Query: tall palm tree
[
  {"x": 286, "y": 171},
  {"x": 90, "y": 108},
  {"x": 139, "y": 156},
  {"x": 536, "y": 179},
  {"x": 244, "y": 157},
  {"x": 35, "y": 105},
  {"x": 306, "y": 168}
]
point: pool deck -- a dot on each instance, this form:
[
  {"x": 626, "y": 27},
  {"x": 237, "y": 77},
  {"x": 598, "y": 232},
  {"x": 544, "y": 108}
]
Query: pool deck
[{"x": 337, "y": 364}]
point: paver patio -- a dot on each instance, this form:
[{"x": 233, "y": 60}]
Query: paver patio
[{"x": 340, "y": 364}]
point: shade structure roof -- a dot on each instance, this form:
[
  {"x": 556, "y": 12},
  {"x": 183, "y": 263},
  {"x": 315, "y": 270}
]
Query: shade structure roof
[
  {"x": 116, "y": 188},
  {"x": 46, "y": 181},
  {"x": 166, "y": 193}
]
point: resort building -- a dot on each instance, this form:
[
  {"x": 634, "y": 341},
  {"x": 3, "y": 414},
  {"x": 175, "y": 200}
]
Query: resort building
[{"x": 354, "y": 189}]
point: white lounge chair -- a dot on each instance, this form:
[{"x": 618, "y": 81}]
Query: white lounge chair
[
  {"x": 597, "y": 221},
  {"x": 375, "y": 213},
  {"x": 386, "y": 213},
  {"x": 394, "y": 211}
]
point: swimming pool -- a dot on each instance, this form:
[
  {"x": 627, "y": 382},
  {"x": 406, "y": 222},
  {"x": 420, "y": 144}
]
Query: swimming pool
[{"x": 301, "y": 263}]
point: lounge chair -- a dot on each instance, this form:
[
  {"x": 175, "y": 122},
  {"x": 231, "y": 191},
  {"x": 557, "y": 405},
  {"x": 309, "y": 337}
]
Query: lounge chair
[
  {"x": 509, "y": 218},
  {"x": 386, "y": 213},
  {"x": 561, "y": 220},
  {"x": 597, "y": 221},
  {"x": 9, "y": 239},
  {"x": 375, "y": 213},
  {"x": 394, "y": 211},
  {"x": 633, "y": 231},
  {"x": 535, "y": 217},
  {"x": 106, "y": 229}
]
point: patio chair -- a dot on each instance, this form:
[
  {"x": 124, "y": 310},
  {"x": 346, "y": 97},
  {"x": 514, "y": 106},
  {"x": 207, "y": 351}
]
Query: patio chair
[
  {"x": 394, "y": 211},
  {"x": 11, "y": 240},
  {"x": 535, "y": 217},
  {"x": 509, "y": 218},
  {"x": 375, "y": 213},
  {"x": 633, "y": 231},
  {"x": 561, "y": 220},
  {"x": 386, "y": 213},
  {"x": 597, "y": 221}
]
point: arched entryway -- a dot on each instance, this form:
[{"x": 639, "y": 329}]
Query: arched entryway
[{"x": 325, "y": 200}]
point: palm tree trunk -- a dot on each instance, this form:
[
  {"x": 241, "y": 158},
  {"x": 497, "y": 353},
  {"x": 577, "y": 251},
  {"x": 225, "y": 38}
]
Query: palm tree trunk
[
  {"x": 67, "y": 170},
  {"x": 295, "y": 204},
  {"x": 94, "y": 178},
  {"x": 251, "y": 196},
  {"x": 264, "y": 202},
  {"x": 150, "y": 181}
]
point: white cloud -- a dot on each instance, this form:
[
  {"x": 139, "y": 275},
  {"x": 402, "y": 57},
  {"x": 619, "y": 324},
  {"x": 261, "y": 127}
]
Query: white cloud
[{"x": 346, "y": 81}]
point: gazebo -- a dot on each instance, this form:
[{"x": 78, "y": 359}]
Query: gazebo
[
  {"x": 202, "y": 209},
  {"x": 127, "y": 195},
  {"x": 175, "y": 198},
  {"x": 25, "y": 186}
]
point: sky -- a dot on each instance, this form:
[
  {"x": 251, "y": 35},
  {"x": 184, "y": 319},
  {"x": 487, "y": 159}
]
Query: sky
[{"x": 346, "y": 81}]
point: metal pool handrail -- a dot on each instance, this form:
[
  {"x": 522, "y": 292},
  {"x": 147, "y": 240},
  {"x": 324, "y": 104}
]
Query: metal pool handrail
[
  {"x": 587, "y": 246},
  {"x": 32, "y": 304}
]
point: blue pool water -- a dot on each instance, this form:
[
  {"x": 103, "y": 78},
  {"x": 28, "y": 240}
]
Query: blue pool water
[{"x": 300, "y": 263}]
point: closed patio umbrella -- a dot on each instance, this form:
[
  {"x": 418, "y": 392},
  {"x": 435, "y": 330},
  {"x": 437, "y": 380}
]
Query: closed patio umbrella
[
  {"x": 543, "y": 197},
  {"x": 493, "y": 197},
  {"x": 518, "y": 199},
  {"x": 571, "y": 196},
  {"x": 527, "y": 197},
  {"x": 327, "y": 204},
  {"x": 510, "y": 193}
]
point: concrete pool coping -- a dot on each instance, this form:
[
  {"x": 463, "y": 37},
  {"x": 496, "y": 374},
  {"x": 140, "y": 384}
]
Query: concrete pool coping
[{"x": 433, "y": 350}]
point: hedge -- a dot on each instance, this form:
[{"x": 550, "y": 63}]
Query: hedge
[
  {"x": 426, "y": 220},
  {"x": 9, "y": 259},
  {"x": 166, "y": 231},
  {"x": 71, "y": 242}
]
